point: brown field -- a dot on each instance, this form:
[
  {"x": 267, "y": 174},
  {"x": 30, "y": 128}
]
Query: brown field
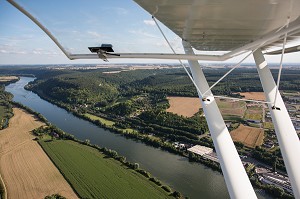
[
  {"x": 26, "y": 170},
  {"x": 7, "y": 78},
  {"x": 254, "y": 95},
  {"x": 249, "y": 136},
  {"x": 186, "y": 106}
]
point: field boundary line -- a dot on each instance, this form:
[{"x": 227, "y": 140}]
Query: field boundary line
[{"x": 60, "y": 171}]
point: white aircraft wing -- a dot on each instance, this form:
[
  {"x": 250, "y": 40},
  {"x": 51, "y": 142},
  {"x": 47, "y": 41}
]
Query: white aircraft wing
[{"x": 226, "y": 25}]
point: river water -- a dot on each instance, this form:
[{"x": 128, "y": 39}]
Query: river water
[{"x": 191, "y": 179}]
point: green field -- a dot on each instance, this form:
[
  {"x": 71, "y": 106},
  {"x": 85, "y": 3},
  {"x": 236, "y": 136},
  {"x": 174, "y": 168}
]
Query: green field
[
  {"x": 254, "y": 113},
  {"x": 93, "y": 175},
  {"x": 102, "y": 120},
  {"x": 268, "y": 125},
  {"x": 108, "y": 123}
]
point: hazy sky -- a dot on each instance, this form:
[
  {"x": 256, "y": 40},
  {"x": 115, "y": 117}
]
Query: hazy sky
[{"x": 80, "y": 24}]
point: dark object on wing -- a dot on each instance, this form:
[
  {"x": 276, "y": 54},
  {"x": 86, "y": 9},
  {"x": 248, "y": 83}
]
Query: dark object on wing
[
  {"x": 103, "y": 47},
  {"x": 103, "y": 51}
]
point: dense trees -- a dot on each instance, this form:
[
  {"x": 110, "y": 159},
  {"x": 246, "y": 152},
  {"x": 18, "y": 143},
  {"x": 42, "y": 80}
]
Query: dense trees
[
  {"x": 269, "y": 157},
  {"x": 6, "y": 111}
]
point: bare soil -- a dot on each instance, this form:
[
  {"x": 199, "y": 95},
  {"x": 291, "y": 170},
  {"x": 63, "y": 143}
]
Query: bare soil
[
  {"x": 7, "y": 78},
  {"x": 26, "y": 169},
  {"x": 254, "y": 95},
  {"x": 249, "y": 136},
  {"x": 185, "y": 106}
]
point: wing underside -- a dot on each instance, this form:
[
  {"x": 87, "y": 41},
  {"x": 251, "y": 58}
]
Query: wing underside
[{"x": 219, "y": 25}]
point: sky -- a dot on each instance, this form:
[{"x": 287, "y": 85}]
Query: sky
[{"x": 78, "y": 24}]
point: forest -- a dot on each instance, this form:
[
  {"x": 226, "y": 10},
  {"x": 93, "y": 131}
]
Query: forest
[{"x": 136, "y": 99}]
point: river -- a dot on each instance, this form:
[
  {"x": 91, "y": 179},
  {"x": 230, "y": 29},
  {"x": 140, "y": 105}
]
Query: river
[{"x": 191, "y": 179}]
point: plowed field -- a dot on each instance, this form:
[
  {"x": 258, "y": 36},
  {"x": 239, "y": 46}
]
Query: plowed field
[{"x": 249, "y": 136}]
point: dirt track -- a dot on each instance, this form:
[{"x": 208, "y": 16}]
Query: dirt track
[{"x": 26, "y": 170}]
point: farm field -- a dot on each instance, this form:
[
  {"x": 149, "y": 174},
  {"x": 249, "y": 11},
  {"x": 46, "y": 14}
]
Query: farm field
[
  {"x": 185, "y": 106},
  {"x": 105, "y": 121},
  {"x": 188, "y": 106},
  {"x": 254, "y": 95},
  {"x": 249, "y": 136},
  {"x": 102, "y": 120},
  {"x": 231, "y": 108},
  {"x": 268, "y": 125},
  {"x": 254, "y": 113},
  {"x": 93, "y": 175},
  {"x": 4, "y": 79},
  {"x": 26, "y": 170}
]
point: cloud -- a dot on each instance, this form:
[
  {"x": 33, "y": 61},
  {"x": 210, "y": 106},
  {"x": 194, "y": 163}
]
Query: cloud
[
  {"x": 94, "y": 34},
  {"x": 121, "y": 11},
  {"x": 6, "y": 49},
  {"x": 149, "y": 22},
  {"x": 143, "y": 33}
]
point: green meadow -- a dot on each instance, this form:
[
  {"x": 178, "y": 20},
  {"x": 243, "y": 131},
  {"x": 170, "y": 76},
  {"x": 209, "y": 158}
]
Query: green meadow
[{"x": 93, "y": 175}]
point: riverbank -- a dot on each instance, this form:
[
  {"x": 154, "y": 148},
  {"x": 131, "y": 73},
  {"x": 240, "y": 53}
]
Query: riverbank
[
  {"x": 24, "y": 166},
  {"x": 150, "y": 140}
]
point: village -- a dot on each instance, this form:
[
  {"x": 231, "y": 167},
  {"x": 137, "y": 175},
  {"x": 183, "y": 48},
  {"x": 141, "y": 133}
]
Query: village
[{"x": 255, "y": 130}]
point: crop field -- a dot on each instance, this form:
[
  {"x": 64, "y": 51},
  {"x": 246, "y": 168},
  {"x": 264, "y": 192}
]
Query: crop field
[
  {"x": 185, "y": 106},
  {"x": 188, "y": 106},
  {"x": 7, "y": 78},
  {"x": 230, "y": 108},
  {"x": 93, "y": 175},
  {"x": 102, "y": 120},
  {"x": 249, "y": 136},
  {"x": 254, "y": 95},
  {"x": 268, "y": 125},
  {"x": 254, "y": 113},
  {"x": 26, "y": 170}
]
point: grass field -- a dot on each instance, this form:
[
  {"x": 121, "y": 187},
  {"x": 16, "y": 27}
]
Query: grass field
[
  {"x": 26, "y": 170},
  {"x": 93, "y": 175},
  {"x": 231, "y": 109},
  {"x": 249, "y": 136},
  {"x": 102, "y": 120},
  {"x": 108, "y": 123},
  {"x": 268, "y": 125},
  {"x": 254, "y": 113}
]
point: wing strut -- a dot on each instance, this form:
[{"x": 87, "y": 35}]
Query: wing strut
[
  {"x": 287, "y": 138},
  {"x": 236, "y": 178}
]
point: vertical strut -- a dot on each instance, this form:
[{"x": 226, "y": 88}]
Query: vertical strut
[
  {"x": 236, "y": 179},
  {"x": 287, "y": 138}
]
